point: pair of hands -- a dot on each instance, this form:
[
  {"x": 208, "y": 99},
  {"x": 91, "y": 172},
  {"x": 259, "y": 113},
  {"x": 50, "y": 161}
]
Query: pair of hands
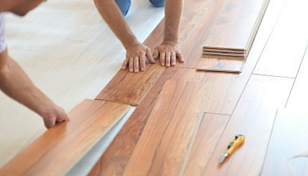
[{"x": 136, "y": 56}]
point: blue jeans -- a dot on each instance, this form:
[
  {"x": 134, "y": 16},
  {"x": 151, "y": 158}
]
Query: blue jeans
[{"x": 124, "y": 5}]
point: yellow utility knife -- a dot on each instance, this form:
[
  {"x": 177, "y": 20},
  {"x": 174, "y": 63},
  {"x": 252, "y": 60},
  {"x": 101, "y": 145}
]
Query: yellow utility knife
[{"x": 234, "y": 143}]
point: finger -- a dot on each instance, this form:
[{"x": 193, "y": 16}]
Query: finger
[
  {"x": 131, "y": 64},
  {"x": 156, "y": 53},
  {"x": 136, "y": 64},
  {"x": 173, "y": 59},
  {"x": 149, "y": 55},
  {"x": 162, "y": 59},
  {"x": 49, "y": 123},
  {"x": 180, "y": 57},
  {"x": 124, "y": 65},
  {"x": 168, "y": 55},
  {"x": 142, "y": 63}
]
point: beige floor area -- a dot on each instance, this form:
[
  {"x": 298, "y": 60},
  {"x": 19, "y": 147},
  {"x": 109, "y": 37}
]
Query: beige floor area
[{"x": 70, "y": 54}]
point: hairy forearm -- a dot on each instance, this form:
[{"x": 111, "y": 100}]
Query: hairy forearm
[
  {"x": 17, "y": 85},
  {"x": 113, "y": 17},
  {"x": 173, "y": 12}
]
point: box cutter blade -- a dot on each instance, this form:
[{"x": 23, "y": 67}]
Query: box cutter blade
[{"x": 234, "y": 143}]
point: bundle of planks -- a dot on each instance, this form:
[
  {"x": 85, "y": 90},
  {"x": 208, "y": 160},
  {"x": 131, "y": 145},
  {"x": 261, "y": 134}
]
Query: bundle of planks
[{"x": 232, "y": 34}]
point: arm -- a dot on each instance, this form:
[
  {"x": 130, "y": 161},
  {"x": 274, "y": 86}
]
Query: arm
[
  {"x": 136, "y": 52},
  {"x": 168, "y": 51},
  {"x": 17, "y": 85}
]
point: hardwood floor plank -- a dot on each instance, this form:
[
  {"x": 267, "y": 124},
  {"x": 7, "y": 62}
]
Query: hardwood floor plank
[
  {"x": 206, "y": 140},
  {"x": 284, "y": 51},
  {"x": 287, "y": 152},
  {"x": 168, "y": 135},
  {"x": 192, "y": 46},
  {"x": 299, "y": 94},
  {"x": 220, "y": 65},
  {"x": 253, "y": 117},
  {"x": 58, "y": 149},
  {"x": 237, "y": 25},
  {"x": 227, "y": 88},
  {"x": 130, "y": 88},
  {"x": 115, "y": 159}
]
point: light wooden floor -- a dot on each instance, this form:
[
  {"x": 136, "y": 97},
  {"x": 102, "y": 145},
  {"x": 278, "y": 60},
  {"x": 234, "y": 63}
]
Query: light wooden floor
[
  {"x": 70, "y": 53},
  {"x": 75, "y": 57}
]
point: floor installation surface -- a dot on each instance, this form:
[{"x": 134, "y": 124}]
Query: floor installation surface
[
  {"x": 70, "y": 54},
  {"x": 237, "y": 103}
]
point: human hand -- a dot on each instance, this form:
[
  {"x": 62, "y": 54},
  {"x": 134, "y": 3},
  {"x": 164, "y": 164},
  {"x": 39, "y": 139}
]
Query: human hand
[
  {"x": 136, "y": 56},
  {"x": 54, "y": 115},
  {"x": 167, "y": 54}
]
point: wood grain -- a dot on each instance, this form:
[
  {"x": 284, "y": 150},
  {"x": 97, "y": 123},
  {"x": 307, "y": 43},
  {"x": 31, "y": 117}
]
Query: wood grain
[
  {"x": 220, "y": 65},
  {"x": 167, "y": 137},
  {"x": 287, "y": 152},
  {"x": 286, "y": 46},
  {"x": 253, "y": 117},
  {"x": 58, "y": 149},
  {"x": 130, "y": 88},
  {"x": 115, "y": 159},
  {"x": 237, "y": 25},
  {"x": 227, "y": 88},
  {"x": 206, "y": 140}
]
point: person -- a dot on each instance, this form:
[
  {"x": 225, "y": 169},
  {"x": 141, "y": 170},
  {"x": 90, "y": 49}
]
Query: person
[
  {"x": 13, "y": 80},
  {"x": 113, "y": 12}
]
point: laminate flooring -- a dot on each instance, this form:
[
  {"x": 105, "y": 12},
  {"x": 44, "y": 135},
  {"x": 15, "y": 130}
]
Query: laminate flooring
[
  {"x": 244, "y": 103},
  {"x": 61, "y": 147},
  {"x": 70, "y": 54}
]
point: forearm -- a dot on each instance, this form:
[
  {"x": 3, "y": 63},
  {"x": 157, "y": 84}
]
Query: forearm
[
  {"x": 173, "y": 12},
  {"x": 114, "y": 18},
  {"x": 17, "y": 85}
]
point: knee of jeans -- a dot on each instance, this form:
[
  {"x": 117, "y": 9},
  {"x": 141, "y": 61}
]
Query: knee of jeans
[
  {"x": 123, "y": 5},
  {"x": 158, "y": 3}
]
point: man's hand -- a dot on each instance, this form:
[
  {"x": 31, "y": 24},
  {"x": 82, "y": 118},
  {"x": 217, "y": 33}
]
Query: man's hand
[
  {"x": 167, "y": 54},
  {"x": 136, "y": 57},
  {"x": 54, "y": 115}
]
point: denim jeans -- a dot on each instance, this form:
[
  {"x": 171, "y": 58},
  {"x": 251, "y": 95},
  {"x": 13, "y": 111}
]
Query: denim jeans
[{"x": 124, "y": 5}]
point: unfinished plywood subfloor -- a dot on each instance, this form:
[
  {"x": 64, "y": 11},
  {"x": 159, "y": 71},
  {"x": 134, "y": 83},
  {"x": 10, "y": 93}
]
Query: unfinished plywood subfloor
[{"x": 70, "y": 54}]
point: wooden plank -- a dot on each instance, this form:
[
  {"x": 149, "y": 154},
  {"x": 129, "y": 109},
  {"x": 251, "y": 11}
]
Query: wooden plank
[
  {"x": 284, "y": 51},
  {"x": 130, "y": 88},
  {"x": 58, "y": 149},
  {"x": 206, "y": 140},
  {"x": 227, "y": 88},
  {"x": 115, "y": 159},
  {"x": 253, "y": 117},
  {"x": 237, "y": 25},
  {"x": 287, "y": 152},
  {"x": 167, "y": 137},
  {"x": 220, "y": 65},
  {"x": 299, "y": 95},
  {"x": 191, "y": 46}
]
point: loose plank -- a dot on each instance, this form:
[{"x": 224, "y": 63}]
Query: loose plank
[
  {"x": 167, "y": 137},
  {"x": 227, "y": 88},
  {"x": 237, "y": 25},
  {"x": 58, "y": 149},
  {"x": 116, "y": 157},
  {"x": 208, "y": 135},
  {"x": 220, "y": 65},
  {"x": 287, "y": 152},
  {"x": 253, "y": 117}
]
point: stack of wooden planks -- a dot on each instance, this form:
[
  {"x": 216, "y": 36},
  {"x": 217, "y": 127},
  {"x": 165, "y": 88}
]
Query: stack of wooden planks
[{"x": 230, "y": 38}]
